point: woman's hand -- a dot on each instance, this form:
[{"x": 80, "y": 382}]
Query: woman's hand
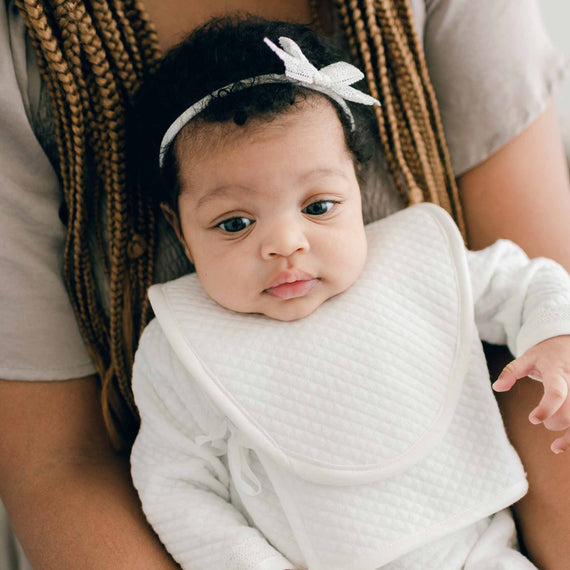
[{"x": 548, "y": 362}]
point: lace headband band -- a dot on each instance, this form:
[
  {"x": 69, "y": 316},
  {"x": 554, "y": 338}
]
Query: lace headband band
[{"x": 333, "y": 80}]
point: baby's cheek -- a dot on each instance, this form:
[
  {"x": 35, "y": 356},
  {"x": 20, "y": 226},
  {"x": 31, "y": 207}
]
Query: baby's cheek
[
  {"x": 355, "y": 253},
  {"x": 231, "y": 290}
]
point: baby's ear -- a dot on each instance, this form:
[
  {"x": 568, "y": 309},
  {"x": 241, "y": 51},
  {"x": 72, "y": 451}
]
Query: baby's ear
[
  {"x": 172, "y": 218},
  {"x": 174, "y": 221}
]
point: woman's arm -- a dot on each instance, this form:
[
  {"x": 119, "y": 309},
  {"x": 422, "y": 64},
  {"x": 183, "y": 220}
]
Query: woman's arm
[
  {"x": 68, "y": 494},
  {"x": 522, "y": 193}
]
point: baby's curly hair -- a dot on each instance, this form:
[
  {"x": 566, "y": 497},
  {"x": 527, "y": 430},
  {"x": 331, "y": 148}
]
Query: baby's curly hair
[{"x": 222, "y": 52}]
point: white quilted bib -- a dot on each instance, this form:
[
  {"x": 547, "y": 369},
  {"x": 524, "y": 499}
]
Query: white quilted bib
[{"x": 373, "y": 416}]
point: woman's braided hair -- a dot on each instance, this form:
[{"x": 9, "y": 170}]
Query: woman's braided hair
[{"x": 93, "y": 55}]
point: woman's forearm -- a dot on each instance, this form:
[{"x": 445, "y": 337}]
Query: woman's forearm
[
  {"x": 84, "y": 516},
  {"x": 522, "y": 193},
  {"x": 68, "y": 494}
]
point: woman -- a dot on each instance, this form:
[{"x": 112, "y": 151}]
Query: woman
[{"x": 67, "y": 491}]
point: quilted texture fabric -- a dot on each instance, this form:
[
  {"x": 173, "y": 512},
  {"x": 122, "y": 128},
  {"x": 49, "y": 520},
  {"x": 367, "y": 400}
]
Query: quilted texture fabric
[
  {"x": 471, "y": 473},
  {"x": 337, "y": 407},
  {"x": 391, "y": 391}
]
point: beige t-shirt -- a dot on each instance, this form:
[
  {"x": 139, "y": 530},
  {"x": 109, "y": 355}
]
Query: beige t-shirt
[
  {"x": 40, "y": 337},
  {"x": 493, "y": 69}
]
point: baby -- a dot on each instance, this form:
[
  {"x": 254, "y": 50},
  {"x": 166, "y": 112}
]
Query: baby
[{"x": 315, "y": 395}]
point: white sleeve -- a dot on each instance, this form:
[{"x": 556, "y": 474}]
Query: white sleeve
[
  {"x": 518, "y": 302},
  {"x": 184, "y": 486}
]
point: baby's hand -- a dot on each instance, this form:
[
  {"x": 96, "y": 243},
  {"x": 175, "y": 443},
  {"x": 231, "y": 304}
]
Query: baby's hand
[{"x": 549, "y": 362}]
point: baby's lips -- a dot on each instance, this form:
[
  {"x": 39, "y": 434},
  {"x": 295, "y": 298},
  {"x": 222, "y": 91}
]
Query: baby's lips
[{"x": 287, "y": 291}]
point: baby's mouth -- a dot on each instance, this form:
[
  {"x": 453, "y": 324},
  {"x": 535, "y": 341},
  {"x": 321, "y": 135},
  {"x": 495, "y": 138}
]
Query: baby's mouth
[{"x": 293, "y": 289}]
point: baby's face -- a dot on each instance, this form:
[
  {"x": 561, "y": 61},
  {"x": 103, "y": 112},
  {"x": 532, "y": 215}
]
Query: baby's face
[{"x": 270, "y": 213}]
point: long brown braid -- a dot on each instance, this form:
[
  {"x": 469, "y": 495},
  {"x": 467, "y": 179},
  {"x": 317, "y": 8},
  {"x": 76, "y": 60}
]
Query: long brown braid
[
  {"x": 92, "y": 55},
  {"x": 383, "y": 42}
]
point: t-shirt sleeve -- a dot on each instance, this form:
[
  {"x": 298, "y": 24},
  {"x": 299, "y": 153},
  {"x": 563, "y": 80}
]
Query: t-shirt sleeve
[
  {"x": 40, "y": 336},
  {"x": 494, "y": 70}
]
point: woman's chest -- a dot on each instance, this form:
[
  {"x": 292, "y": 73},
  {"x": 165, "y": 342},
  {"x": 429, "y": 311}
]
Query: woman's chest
[{"x": 173, "y": 19}]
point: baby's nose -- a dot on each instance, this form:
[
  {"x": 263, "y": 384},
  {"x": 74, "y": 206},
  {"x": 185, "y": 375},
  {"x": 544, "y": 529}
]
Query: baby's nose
[{"x": 284, "y": 241}]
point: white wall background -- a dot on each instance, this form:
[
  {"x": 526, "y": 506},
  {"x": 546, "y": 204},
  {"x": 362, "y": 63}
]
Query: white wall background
[{"x": 556, "y": 15}]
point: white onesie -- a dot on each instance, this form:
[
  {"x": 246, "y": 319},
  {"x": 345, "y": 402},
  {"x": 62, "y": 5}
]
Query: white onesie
[{"x": 365, "y": 435}]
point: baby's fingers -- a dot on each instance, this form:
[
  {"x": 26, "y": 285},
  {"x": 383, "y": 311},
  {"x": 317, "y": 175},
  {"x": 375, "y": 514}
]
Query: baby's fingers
[
  {"x": 518, "y": 368},
  {"x": 561, "y": 419},
  {"x": 561, "y": 444},
  {"x": 555, "y": 394}
]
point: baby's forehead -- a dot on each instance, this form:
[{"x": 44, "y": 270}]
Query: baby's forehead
[
  {"x": 308, "y": 140},
  {"x": 202, "y": 136}
]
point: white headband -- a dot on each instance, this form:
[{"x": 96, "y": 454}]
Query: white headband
[{"x": 333, "y": 80}]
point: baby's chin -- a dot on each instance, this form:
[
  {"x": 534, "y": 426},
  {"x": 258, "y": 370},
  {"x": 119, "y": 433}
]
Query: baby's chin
[
  {"x": 285, "y": 311},
  {"x": 290, "y": 315},
  {"x": 291, "y": 310}
]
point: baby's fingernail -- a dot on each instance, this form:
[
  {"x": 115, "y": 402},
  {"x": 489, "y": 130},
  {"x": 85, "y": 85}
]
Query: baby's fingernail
[
  {"x": 557, "y": 449},
  {"x": 534, "y": 419}
]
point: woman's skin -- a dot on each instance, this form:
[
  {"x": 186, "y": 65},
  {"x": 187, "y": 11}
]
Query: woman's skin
[
  {"x": 173, "y": 19},
  {"x": 522, "y": 193},
  {"x": 69, "y": 495}
]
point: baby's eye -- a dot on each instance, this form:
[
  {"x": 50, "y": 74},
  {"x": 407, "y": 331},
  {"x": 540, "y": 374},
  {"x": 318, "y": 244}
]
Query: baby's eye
[
  {"x": 318, "y": 208},
  {"x": 234, "y": 225}
]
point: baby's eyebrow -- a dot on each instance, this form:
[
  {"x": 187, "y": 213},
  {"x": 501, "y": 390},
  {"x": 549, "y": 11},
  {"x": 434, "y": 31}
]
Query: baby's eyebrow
[
  {"x": 323, "y": 171},
  {"x": 219, "y": 192},
  {"x": 229, "y": 189}
]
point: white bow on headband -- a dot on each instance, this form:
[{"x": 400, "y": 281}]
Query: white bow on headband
[{"x": 333, "y": 80}]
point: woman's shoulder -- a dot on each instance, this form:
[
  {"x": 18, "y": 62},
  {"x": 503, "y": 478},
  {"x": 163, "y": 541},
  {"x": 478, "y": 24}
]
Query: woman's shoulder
[
  {"x": 40, "y": 336},
  {"x": 493, "y": 68}
]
